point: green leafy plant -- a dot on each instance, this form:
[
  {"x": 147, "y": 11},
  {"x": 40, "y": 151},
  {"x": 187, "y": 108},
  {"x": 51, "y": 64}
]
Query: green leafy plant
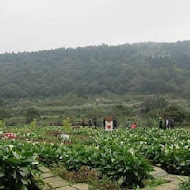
[
  {"x": 123, "y": 156},
  {"x": 18, "y": 169}
]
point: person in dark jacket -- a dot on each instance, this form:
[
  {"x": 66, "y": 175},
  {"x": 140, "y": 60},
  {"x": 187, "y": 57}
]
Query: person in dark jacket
[
  {"x": 171, "y": 123},
  {"x": 104, "y": 123},
  {"x": 115, "y": 124},
  {"x": 95, "y": 123},
  {"x": 83, "y": 122},
  {"x": 90, "y": 123},
  {"x": 160, "y": 123},
  {"x": 128, "y": 124}
]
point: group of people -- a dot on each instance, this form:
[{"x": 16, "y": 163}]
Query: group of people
[
  {"x": 90, "y": 122},
  {"x": 130, "y": 125},
  {"x": 94, "y": 122},
  {"x": 169, "y": 123}
]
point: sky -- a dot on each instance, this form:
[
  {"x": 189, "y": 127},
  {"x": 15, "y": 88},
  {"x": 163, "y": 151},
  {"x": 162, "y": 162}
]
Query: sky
[{"x": 31, "y": 25}]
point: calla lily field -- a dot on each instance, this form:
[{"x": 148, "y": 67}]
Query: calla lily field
[{"x": 123, "y": 155}]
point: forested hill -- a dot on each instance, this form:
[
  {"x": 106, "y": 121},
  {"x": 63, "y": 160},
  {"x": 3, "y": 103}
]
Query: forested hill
[{"x": 141, "y": 68}]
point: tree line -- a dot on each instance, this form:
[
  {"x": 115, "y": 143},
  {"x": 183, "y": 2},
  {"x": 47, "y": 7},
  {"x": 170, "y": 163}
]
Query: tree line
[{"x": 140, "y": 68}]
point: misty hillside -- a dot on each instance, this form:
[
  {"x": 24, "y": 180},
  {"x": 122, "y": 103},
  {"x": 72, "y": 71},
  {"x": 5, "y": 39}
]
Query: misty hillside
[{"x": 141, "y": 68}]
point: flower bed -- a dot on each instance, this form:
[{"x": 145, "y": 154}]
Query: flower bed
[{"x": 124, "y": 156}]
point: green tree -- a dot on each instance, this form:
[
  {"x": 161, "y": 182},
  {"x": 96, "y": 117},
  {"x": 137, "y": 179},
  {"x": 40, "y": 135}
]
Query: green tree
[
  {"x": 67, "y": 125},
  {"x": 31, "y": 114},
  {"x": 33, "y": 125},
  {"x": 1, "y": 102},
  {"x": 177, "y": 113},
  {"x": 2, "y": 124},
  {"x": 4, "y": 113}
]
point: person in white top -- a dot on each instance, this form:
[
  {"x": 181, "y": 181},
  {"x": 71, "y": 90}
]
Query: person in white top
[{"x": 167, "y": 123}]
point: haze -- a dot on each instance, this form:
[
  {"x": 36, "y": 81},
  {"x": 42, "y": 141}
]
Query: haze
[{"x": 30, "y": 25}]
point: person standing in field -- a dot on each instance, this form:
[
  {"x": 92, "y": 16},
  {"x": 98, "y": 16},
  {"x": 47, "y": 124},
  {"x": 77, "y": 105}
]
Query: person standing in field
[
  {"x": 160, "y": 123},
  {"x": 171, "y": 123},
  {"x": 133, "y": 126},
  {"x": 128, "y": 123},
  {"x": 167, "y": 123},
  {"x": 104, "y": 123},
  {"x": 83, "y": 122},
  {"x": 95, "y": 123},
  {"x": 90, "y": 123},
  {"x": 115, "y": 124}
]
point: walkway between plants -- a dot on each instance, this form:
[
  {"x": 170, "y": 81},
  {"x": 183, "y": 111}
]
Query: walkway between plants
[
  {"x": 175, "y": 180},
  {"x": 57, "y": 183}
]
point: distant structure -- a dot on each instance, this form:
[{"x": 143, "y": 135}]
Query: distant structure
[{"x": 162, "y": 55}]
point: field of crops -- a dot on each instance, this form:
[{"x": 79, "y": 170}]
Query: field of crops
[{"x": 124, "y": 156}]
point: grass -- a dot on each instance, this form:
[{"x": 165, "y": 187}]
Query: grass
[
  {"x": 152, "y": 183},
  {"x": 185, "y": 185},
  {"x": 156, "y": 182}
]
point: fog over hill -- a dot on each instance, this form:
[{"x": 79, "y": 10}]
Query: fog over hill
[{"x": 140, "y": 68}]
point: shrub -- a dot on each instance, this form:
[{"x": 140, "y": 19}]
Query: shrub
[
  {"x": 33, "y": 125},
  {"x": 83, "y": 175},
  {"x": 59, "y": 169},
  {"x": 103, "y": 184}
]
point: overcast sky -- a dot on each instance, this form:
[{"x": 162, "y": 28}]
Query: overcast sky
[{"x": 28, "y": 25}]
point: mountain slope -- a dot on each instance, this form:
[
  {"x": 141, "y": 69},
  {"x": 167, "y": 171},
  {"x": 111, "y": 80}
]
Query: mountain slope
[{"x": 141, "y": 68}]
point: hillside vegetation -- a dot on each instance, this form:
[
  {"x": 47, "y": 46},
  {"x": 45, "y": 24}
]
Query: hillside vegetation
[{"x": 141, "y": 68}]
